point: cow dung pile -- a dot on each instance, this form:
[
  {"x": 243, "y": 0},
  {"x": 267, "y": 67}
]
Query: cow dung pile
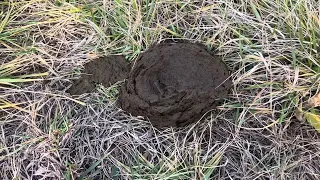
[
  {"x": 105, "y": 71},
  {"x": 172, "y": 84}
]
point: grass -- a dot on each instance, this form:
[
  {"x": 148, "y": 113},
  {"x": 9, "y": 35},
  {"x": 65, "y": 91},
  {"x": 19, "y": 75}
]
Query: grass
[{"x": 272, "y": 48}]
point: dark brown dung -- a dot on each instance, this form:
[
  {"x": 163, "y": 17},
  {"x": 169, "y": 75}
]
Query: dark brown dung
[
  {"x": 175, "y": 84},
  {"x": 106, "y": 71}
]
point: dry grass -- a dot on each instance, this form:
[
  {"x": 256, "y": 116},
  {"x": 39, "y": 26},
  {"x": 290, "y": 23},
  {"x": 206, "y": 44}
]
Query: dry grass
[{"x": 270, "y": 46}]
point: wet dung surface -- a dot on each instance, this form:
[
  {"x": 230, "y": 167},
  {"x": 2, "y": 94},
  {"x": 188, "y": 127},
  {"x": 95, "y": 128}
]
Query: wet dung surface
[
  {"x": 106, "y": 71},
  {"x": 174, "y": 84}
]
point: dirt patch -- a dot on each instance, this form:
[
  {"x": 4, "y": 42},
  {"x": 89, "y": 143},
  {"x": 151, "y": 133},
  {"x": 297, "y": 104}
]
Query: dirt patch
[
  {"x": 174, "y": 84},
  {"x": 106, "y": 71}
]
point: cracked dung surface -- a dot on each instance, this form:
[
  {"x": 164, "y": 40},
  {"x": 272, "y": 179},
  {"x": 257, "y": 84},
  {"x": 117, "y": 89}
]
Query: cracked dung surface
[
  {"x": 174, "y": 84},
  {"x": 106, "y": 71}
]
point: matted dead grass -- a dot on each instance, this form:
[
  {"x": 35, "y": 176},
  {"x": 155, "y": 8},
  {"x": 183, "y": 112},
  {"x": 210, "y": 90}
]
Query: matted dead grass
[{"x": 270, "y": 46}]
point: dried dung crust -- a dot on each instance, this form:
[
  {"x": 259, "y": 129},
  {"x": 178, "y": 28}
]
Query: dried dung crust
[
  {"x": 106, "y": 71},
  {"x": 174, "y": 84}
]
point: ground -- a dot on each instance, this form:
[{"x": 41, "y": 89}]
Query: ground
[{"x": 271, "y": 48}]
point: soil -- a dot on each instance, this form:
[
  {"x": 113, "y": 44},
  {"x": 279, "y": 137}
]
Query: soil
[
  {"x": 106, "y": 71},
  {"x": 175, "y": 84}
]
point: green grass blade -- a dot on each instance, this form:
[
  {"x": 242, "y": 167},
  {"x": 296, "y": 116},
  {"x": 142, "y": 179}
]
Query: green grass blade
[{"x": 255, "y": 10}]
